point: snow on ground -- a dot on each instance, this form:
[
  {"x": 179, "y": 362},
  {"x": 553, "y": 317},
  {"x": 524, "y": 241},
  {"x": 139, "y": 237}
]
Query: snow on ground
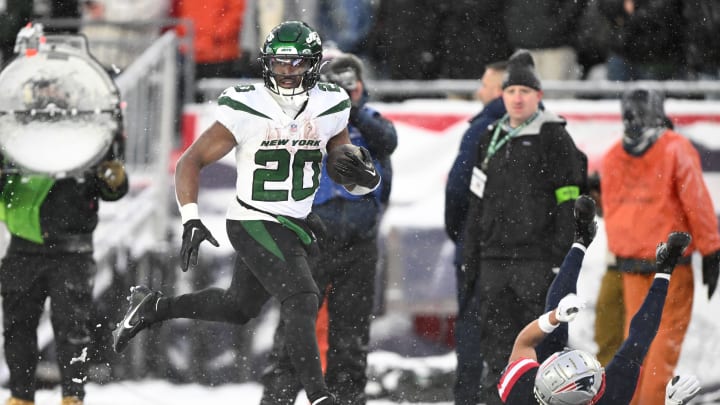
[
  {"x": 699, "y": 356},
  {"x": 153, "y": 392}
]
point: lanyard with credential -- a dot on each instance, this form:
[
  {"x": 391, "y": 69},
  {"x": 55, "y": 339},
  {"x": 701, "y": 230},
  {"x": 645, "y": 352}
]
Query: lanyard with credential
[{"x": 496, "y": 144}]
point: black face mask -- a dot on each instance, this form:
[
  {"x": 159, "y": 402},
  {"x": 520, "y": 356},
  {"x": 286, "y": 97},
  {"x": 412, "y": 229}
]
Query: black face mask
[
  {"x": 634, "y": 120},
  {"x": 644, "y": 119},
  {"x": 642, "y": 110}
]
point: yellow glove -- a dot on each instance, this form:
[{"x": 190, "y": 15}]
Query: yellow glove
[{"x": 112, "y": 172}]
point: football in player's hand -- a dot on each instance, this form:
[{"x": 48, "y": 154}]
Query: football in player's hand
[{"x": 338, "y": 158}]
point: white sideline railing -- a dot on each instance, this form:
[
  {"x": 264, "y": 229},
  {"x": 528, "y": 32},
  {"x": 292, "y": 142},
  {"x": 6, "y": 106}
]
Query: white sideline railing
[{"x": 148, "y": 88}]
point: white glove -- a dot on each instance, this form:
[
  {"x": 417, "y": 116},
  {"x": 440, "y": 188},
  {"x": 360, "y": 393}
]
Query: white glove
[
  {"x": 569, "y": 307},
  {"x": 681, "y": 389}
]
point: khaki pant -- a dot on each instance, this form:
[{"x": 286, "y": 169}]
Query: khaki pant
[{"x": 609, "y": 316}]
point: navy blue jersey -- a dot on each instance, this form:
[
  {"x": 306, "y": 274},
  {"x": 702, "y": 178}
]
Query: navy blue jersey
[{"x": 517, "y": 382}]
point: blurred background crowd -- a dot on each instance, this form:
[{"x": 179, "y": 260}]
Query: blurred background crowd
[{"x": 404, "y": 39}]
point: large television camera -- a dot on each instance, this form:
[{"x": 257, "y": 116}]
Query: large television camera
[{"x": 60, "y": 111}]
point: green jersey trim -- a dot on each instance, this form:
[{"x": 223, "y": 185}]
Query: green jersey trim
[
  {"x": 337, "y": 108},
  {"x": 236, "y": 105},
  {"x": 305, "y": 238},
  {"x": 257, "y": 230}
]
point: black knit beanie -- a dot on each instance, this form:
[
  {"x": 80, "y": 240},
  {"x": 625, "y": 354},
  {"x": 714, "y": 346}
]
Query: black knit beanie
[{"x": 521, "y": 71}]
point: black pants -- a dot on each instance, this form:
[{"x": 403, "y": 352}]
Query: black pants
[
  {"x": 511, "y": 294},
  {"x": 271, "y": 261},
  {"x": 469, "y": 371},
  {"x": 26, "y": 281},
  {"x": 345, "y": 272}
]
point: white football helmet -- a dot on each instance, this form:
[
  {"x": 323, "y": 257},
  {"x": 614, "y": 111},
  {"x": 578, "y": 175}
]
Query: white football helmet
[{"x": 570, "y": 377}]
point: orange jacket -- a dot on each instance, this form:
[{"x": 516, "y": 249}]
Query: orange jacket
[
  {"x": 217, "y": 26},
  {"x": 646, "y": 197}
]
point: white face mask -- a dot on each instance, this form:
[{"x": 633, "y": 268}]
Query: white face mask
[{"x": 290, "y": 104}]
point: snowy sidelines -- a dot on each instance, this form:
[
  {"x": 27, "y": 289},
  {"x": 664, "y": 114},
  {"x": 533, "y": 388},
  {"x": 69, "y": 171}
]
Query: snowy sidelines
[{"x": 420, "y": 276}]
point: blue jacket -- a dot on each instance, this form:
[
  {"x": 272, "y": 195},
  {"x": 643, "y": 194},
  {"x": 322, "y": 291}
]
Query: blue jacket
[
  {"x": 369, "y": 129},
  {"x": 458, "y": 182}
]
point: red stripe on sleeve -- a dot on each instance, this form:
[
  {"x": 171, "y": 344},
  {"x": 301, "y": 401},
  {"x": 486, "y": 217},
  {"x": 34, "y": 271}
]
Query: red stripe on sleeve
[{"x": 512, "y": 373}]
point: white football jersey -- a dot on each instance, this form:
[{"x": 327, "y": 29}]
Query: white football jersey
[{"x": 278, "y": 157}]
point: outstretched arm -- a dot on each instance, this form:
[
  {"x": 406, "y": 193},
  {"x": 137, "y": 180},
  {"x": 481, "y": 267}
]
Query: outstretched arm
[
  {"x": 566, "y": 281},
  {"x": 585, "y": 229},
  {"x": 624, "y": 369},
  {"x": 646, "y": 321},
  {"x": 535, "y": 331}
]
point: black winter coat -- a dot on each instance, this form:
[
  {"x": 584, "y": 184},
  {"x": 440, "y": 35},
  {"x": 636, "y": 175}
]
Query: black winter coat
[{"x": 519, "y": 216}]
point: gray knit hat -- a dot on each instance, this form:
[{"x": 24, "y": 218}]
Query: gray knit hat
[{"x": 521, "y": 71}]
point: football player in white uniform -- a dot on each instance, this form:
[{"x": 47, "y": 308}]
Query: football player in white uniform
[{"x": 280, "y": 131}]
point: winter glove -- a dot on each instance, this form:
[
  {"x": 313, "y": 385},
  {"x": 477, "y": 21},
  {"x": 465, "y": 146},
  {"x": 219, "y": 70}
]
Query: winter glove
[
  {"x": 112, "y": 173},
  {"x": 585, "y": 224},
  {"x": 681, "y": 389},
  {"x": 354, "y": 115},
  {"x": 357, "y": 168},
  {"x": 194, "y": 233},
  {"x": 710, "y": 270},
  {"x": 667, "y": 254},
  {"x": 569, "y": 307}
]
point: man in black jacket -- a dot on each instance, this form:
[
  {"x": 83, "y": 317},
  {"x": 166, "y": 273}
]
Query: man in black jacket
[{"x": 520, "y": 221}]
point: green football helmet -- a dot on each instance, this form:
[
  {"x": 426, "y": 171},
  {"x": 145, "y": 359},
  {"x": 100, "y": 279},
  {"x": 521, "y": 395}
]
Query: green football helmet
[{"x": 291, "y": 58}]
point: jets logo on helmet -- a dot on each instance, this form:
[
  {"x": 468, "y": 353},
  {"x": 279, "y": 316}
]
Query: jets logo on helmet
[
  {"x": 313, "y": 37},
  {"x": 291, "y": 58}
]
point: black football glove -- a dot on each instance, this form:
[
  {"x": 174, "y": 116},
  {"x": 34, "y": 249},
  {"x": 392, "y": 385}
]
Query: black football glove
[
  {"x": 667, "y": 254},
  {"x": 585, "y": 224},
  {"x": 710, "y": 270},
  {"x": 194, "y": 233},
  {"x": 358, "y": 170}
]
